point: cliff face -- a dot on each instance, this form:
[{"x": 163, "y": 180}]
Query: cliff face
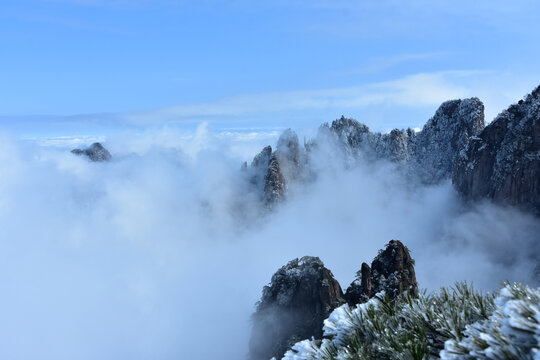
[
  {"x": 438, "y": 145},
  {"x": 293, "y": 307},
  {"x": 503, "y": 162}
]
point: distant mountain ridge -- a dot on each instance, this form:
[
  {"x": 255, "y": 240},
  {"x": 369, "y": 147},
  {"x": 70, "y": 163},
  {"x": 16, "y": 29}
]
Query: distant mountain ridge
[{"x": 500, "y": 162}]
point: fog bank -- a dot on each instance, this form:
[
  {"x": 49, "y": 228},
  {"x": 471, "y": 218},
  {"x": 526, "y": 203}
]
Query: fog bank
[{"x": 162, "y": 252}]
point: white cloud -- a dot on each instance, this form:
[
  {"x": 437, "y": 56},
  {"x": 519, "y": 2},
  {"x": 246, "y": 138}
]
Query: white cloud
[
  {"x": 163, "y": 251},
  {"x": 413, "y": 91}
]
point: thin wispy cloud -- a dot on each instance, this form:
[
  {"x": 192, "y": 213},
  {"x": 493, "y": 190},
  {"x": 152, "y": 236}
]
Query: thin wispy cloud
[
  {"x": 415, "y": 91},
  {"x": 391, "y": 18},
  {"x": 408, "y": 101},
  {"x": 380, "y": 64}
]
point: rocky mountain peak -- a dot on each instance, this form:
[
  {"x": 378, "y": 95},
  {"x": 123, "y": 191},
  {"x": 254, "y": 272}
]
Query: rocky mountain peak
[
  {"x": 95, "y": 152},
  {"x": 293, "y": 306},
  {"x": 437, "y": 146},
  {"x": 288, "y": 147},
  {"x": 352, "y": 132},
  {"x": 392, "y": 271},
  {"x": 263, "y": 158}
]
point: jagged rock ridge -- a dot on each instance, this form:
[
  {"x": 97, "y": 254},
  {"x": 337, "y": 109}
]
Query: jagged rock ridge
[
  {"x": 95, "y": 152},
  {"x": 303, "y": 293},
  {"x": 503, "y": 162},
  {"x": 428, "y": 155}
]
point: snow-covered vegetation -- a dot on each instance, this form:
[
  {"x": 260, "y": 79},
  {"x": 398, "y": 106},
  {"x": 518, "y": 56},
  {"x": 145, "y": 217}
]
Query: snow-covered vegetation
[{"x": 456, "y": 323}]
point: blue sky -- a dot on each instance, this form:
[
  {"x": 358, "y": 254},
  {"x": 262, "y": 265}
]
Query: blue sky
[{"x": 95, "y": 66}]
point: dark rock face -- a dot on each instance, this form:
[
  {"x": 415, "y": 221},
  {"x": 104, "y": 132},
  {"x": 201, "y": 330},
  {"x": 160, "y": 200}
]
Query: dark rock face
[
  {"x": 293, "y": 307},
  {"x": 272, "y": 171},
  {"x": 360, "y": 290},
  {"x": 392, "y": 271},
  {"x": 96, "y": 152},
  {"x": 503, "y": 162},
  {"x": 258, "y": 169},
  {"x": 274, "y": 183}
]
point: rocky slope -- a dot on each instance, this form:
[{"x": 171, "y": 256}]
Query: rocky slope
[
  {"x": 95, "y": 152},
  {"x": 303, "y": 293},
  {"x": 503, "y": 162}
]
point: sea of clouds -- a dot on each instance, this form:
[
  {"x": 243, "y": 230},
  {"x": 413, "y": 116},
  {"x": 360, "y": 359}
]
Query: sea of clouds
[{"x": 162, "y": 252}]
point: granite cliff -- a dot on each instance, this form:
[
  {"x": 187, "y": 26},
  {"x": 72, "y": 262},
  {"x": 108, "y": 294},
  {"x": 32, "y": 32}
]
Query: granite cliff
[{"x": 502, "y": 163}]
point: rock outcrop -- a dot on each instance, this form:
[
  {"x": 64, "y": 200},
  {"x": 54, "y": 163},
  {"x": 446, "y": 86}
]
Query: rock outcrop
[
  {"x": 392, "y": 271},
  {"x": 303, "y": 293},
  {"x": 274, "y": 182},
  {"x": 95, "y": 152},
  {"x": 503, "y": 162},
  {"x": 360, "y": 290},
  {"x": 293, "y": 307},
  {"x": 438, "y": 145},
  {"x": 271, "y": 171}
]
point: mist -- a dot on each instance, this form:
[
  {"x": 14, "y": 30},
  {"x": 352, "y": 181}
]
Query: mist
[{"x": 162, "y": 252}]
